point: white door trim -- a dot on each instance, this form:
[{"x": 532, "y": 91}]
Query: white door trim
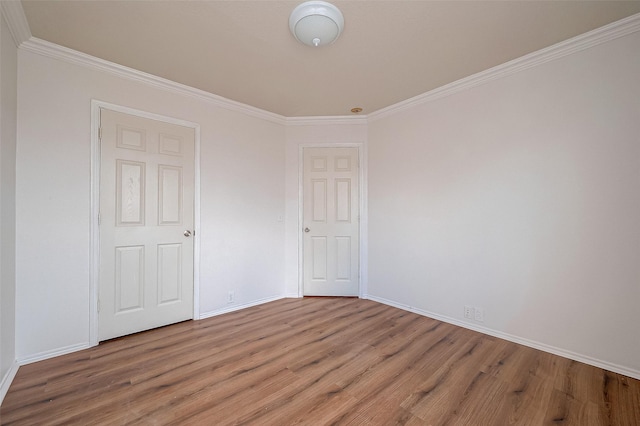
[
  {"x": 363, "y": 226},
  {"x": 94, "y": 238}
]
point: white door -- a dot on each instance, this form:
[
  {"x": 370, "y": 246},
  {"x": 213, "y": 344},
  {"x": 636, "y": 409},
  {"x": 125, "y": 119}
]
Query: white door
[
  {"x": 146, "y": 224},
  {"x": 331, "y": 222}
]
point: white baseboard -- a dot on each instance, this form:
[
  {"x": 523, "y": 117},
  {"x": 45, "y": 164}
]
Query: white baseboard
[
  {"x": 620, "y": 369},
  {"x": 74, "y": 348},
  {"x": 53, "y": 353},
  {"x": 7, "y": 379},
  {"x": 234, "y": 308}
]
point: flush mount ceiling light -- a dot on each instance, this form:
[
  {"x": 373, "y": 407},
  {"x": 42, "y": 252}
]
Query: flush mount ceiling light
[{"x": 316, "y": 23}]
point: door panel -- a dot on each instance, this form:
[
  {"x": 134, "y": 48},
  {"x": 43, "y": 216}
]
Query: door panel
[
  {"x": 130, "y": 192},
  {"x": 169, "y": 273},
  {"x": 146, "y": 205},
  {"x": 170, "y": 195},
  {"x": 129, "y": 278},
  {"x": 331, "y": 222}
]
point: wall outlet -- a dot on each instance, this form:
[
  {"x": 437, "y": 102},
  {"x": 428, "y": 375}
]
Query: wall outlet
[
  {"x": 479, "y": 314},
  {"x": 230, "y": 297},
  {"x": 468, "y": 312}
]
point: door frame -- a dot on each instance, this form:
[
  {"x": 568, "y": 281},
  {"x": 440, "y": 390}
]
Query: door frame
[
  {"x": 94, "y": 234},
  {"x": 362, "y": 201}
]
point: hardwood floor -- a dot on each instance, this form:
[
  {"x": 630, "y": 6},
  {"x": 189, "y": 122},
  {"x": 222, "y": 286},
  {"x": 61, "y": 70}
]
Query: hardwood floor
[{"x": 317, "y": 361}]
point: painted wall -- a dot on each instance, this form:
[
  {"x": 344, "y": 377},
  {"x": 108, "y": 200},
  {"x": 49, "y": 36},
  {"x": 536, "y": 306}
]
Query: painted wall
[
  {"x": 8, "y": 105},
  {"x": 520, "y": 196},
  {"x": 316, "y": 132},
  {"x": 242, "y": 196}
]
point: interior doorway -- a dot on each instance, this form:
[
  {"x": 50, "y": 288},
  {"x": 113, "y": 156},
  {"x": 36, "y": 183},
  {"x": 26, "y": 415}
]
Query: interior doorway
[
  {"x": 146, "y": 223},
  {"x": 331, "y": 221}
]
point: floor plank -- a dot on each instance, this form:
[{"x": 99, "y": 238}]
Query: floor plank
[{"x": 317, "y": 361}]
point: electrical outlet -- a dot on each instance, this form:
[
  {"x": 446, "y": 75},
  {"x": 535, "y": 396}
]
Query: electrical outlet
[
  {"x": 230, "y": 297},
  {"x": 468, "y": 312},
  {"x": 479, "y": 314}
]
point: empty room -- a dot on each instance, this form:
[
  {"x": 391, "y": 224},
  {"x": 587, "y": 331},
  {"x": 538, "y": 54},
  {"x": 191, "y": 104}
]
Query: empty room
[{"x": 351, "y": 212}]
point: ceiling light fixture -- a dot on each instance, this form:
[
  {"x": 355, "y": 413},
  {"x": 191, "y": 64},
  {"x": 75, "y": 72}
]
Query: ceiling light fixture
[{"x": 316, "y": 23}]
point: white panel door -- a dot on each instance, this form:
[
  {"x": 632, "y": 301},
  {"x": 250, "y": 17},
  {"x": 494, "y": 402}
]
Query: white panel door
[
  {"x": 147, "y": 171},
  {"x": 331, "y": 222}
]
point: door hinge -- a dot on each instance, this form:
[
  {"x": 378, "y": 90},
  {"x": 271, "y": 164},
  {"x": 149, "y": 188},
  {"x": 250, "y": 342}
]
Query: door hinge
[
  {"x": 99, "y": 218},
  {"x": 99, "y": 133},
  {"x": 98, "y": 305}
]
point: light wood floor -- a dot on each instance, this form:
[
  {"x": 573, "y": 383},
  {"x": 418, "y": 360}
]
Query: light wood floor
[{"x": 317, "y": 361}]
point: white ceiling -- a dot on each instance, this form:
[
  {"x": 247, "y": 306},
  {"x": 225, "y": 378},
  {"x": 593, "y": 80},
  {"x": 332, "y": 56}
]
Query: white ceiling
[{"x": 389, "y": 51}]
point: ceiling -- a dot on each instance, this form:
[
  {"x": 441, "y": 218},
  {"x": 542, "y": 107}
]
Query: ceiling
[{"x": 389, "y": 51}]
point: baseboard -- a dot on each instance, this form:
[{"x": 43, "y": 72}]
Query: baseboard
[
  {"x": 7, "y": 379},
  {"x": 512, "y": 338},
  {"x": 234, "y": 308},
  {"x": 53, "y": 353},
  {"x": 74, "y": 348}
]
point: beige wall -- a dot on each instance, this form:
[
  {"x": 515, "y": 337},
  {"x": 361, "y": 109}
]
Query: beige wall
[
  {"x": 242, "y": 196},
  {"x": 8, "y": 100},
  {"x": 520, "y": 196}
]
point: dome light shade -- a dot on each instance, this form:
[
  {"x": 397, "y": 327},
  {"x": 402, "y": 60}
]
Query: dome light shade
[{"x": 316, "y": 23}]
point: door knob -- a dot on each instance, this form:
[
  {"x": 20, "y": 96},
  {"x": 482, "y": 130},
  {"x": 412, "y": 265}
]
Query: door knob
[
  {"x": 187, "y": 233},
  {"x": 307, "y": 229}
]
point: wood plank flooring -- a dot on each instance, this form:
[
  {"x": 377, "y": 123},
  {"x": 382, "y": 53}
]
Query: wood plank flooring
[{"x": 317, "y": 361}]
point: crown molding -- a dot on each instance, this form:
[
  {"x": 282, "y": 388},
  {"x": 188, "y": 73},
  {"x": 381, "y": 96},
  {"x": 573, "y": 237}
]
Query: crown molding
[
  {"x": 52, "y": 50},
  {"x": 55, "y": 51},
  {"x": 14, "y": 14},
  {"x": 568, "y": 47},
  {"x": 326, "y": 120},
  {"x": 16, "y": 20}
]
